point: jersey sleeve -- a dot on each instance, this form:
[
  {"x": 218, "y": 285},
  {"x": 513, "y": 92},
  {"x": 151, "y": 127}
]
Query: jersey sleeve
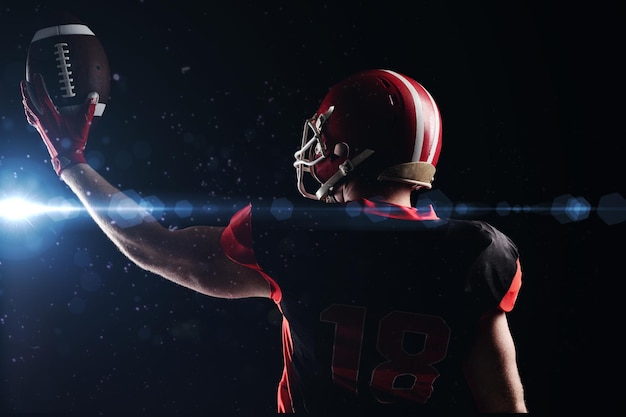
[
  {"x": 498, "y": 269},
  {"x": 236, "y": 242},
  {"x": 236, "y": 239},
  {"x": 508, "y": 301}
]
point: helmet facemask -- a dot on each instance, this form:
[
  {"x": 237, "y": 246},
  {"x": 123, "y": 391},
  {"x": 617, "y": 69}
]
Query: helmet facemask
[{"x": 314, "y": 150}]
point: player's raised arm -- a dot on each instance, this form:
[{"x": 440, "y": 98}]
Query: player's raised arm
[{"x": 191, "y": 257}]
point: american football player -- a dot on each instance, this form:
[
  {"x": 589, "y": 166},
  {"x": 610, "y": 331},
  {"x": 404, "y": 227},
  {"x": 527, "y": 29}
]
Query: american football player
[{"x": 387, "y": 308}]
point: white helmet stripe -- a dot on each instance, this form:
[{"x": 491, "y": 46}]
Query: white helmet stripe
[
  {"x": 436, "y": 126},
  {"x": 419, "y": 116},
  {"x": 419, "y": 120}
]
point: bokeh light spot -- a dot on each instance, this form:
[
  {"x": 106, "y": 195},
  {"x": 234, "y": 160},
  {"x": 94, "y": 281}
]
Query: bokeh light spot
[
  {"x": 60, "y": 208},
  {"x": 183, "y": 208},
  {"x": 567, "y": 208},
  {"x": 124, "y": 210},
  {"x": 281, "y": 209},
  {"x": 612, "y": 208}
]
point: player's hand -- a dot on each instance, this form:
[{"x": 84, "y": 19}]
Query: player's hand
[{"x": 65, "y": 135}]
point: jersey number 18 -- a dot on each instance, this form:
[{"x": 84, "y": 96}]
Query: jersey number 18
[{"x": 388, "y": 380}]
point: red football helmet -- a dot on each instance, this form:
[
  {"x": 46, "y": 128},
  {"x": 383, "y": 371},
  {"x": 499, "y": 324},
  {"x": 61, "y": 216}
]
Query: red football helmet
[{"x": 378, "y": 115}]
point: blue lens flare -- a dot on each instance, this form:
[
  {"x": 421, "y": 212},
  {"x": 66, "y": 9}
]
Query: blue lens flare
[{"x": 33, "y": 214}]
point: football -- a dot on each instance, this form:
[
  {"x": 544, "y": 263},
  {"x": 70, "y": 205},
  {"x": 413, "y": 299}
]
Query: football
[{"x": 72, "y": 62}]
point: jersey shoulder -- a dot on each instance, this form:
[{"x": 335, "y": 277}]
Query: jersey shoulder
[{"x": 496, "y": 270}]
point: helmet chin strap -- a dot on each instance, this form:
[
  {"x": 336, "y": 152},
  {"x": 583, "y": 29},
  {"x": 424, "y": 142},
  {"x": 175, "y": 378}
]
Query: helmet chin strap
[{"x": 324, "y": 193}]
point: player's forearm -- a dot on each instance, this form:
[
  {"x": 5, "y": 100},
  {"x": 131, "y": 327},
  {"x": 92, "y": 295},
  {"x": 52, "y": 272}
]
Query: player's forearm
[{"x": 139, "y": 242}]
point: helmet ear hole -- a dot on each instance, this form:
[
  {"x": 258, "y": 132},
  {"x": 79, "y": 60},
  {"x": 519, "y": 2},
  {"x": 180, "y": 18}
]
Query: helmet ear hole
[{"x": 342, "y": 150}]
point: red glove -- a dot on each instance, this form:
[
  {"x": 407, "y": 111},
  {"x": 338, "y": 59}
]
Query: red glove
[{"x": 65, "y": 135}]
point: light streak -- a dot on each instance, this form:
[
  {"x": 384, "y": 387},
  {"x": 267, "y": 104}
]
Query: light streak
[
  {"x": 128, "y": 208},
  {"x": 17, "y": 208}
]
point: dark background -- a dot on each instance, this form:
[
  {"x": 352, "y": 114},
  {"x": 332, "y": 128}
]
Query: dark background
[{"x": 207, "y": 105}]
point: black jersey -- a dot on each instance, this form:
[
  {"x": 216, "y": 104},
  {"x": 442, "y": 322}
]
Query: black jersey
[{"x": 379, "y": 305}]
